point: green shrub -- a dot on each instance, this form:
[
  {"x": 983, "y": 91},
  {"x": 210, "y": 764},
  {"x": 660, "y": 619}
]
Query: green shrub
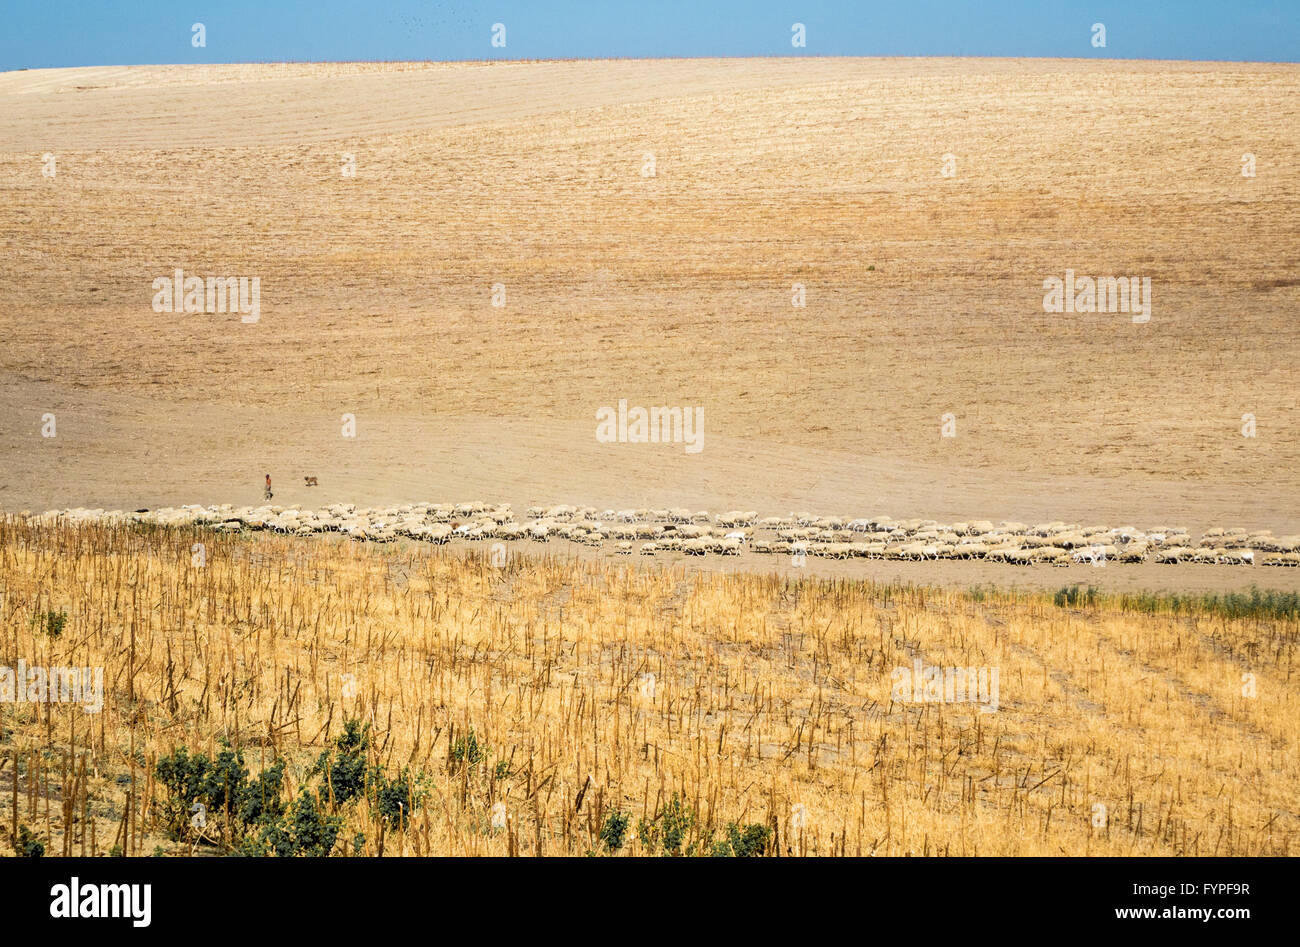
[
  {"x": 234, "y": 803},
  {"x": 305, "y": 830},
  {"x": 466, "y": 748},
  {"x": 224, "y": 781},
  {"x": 26, "y": 845},
  {"x": 50, "y": 623},
  {"x": 749, "y": 841},
  {"x": 345, "y": 766},
  {"x": 666, "y": 834},
  {"x": 614, "y": 832},
  {"x": 1072, "y": 596},
  {"x": 261, "y": 799},
  {"x": 185, "y": 779},
  {"x": 250, "y": 816},
  {"x": 396, "y": 799},
  {"x": 313, "y": 832}
]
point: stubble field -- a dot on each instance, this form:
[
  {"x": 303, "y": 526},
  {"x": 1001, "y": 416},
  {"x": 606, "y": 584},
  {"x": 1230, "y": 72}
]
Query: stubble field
[{"x": 560, "y": 707}]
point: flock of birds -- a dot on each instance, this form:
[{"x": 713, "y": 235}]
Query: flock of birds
[{"x": 650, "y": 532}]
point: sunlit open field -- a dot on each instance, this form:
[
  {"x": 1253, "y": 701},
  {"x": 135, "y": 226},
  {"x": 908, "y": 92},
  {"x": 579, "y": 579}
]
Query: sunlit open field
[
  {"x": 840, "y": 264},
  {"x": 924, "y": 294},
  {"x": 693, "y": 713}
]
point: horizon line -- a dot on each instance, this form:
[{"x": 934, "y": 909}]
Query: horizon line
[{"x": 594, "y": 59}]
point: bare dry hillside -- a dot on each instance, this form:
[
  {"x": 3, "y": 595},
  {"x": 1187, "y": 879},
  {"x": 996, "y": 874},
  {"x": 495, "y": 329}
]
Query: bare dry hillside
[{"x": 924, "y": 293}]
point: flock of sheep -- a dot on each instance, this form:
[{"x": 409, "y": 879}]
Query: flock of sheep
[{"x": 798, "y": 535}]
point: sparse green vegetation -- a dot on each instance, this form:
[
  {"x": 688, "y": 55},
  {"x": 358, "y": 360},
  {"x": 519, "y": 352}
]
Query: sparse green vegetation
[
  {"x": 50, "y": 622},
  {"x": 668, "y": 833},
  {"x": 467, "y": 749},
  {"x": 1253, "y": 603},
  {"x": 614, "y": 832},
  {"x": 749, "y": 841},
  {"x": 1074, "y": 596},
  {"x": 344, "y": 767},
  {"x": 220, "y": 802},
  {"x": 27, "y": 845}
]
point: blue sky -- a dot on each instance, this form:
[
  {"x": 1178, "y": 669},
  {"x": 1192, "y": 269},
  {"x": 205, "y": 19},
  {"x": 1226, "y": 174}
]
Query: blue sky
[{"x": 40, "y": 33}]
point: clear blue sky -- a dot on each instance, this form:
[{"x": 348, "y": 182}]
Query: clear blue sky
[{"x": 38, "y": 33}]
